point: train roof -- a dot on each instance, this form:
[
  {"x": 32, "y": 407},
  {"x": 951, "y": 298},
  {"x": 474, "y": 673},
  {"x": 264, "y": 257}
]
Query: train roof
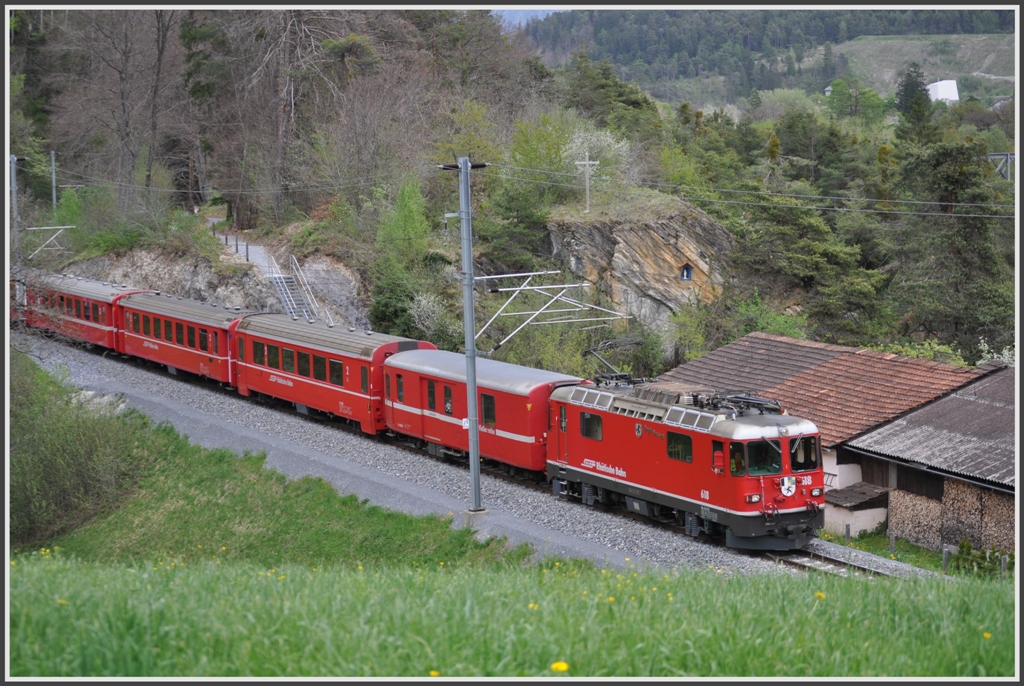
[
  {"x": 491, "y": 374},
  {"x": 738, "y": 415},
  {"x": 183, "y": 308},
  {"x": 317, "y": 334},
  {"x": 101, "y": 291}
]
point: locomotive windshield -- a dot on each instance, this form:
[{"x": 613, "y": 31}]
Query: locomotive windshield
[
  {"x": 803, "y": 453},
  {"x": 763, "y": 458}
]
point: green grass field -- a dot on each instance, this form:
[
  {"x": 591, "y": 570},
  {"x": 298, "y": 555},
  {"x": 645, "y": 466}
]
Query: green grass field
[{"x": 213, "y": 566}]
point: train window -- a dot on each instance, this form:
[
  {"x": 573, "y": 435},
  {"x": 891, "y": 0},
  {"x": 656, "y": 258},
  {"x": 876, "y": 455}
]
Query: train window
[
  {"x": 737, "y": 460},
  {"x": 288, "y": 360},
  {"x": 431, "y": 396},
  {"x": 319, "y": 368},
  {"x": 364, "y": 374},
  {"x": 401, "y": 388},
  {"x": 337, "y": 373},
  {"x": 488, "y": 410},
  {"x": 179, "y": 333},
  {"x": 680, "y": 446},
  {"x": 78, "y": 308},
  {"x": 60, "y": 302},
  {"x": 273, "y": 356},
  {"x": 561, "y": 417},
  {"x": 145, "y": 325},
  {"x": 95, "y": 312},
  {"x": 135, "y": 322},
  {"x": 387, "y": 385},
  {"x": 241, "y": 350},
  {"x": 590, "y": 425},
  {"x": 191, "y": 336},
  {"x": 303, "y": 363},
  {"x": 156, "y": 327},
  {"x": 448, "y": 400},
  {"x": 764, "y": 457},
  {"x": 204, "y": 341},
  {"x": 258, "y": 352},
  {"x": 168, "y": 325},
  {"x": 216, "y": 348},
  {"x": 803, "y": 454},
  {"x": 85, "y": 312}
]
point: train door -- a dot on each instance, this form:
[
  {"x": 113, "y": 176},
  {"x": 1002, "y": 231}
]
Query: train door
[{"x": 561, "y": 438}]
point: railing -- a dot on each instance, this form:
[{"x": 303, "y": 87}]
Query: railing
[
  {"x": 830, "y": 479},
  {"x": 282, "y": 292},
  {"x": 319, "y": 311}
]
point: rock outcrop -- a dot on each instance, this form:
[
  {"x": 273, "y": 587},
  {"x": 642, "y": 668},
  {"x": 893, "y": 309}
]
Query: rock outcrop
[
  {"x": 649, "y": 256},
  {"x": 233, "y": 283}
]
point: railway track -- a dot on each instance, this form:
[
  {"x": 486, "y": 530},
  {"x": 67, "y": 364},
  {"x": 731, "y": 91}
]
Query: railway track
[{"x": 818, "y": 562}]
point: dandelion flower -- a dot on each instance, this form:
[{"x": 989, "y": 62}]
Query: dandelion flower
[
  {"x": 61, "y": 601},
  {"x": 434, "y": 672},
  {"x": 819, "y": 595},
  {"x": 280, "y": 577},
  {"x": 986, "y": 635},
  {"x": 559, "y": 666},
  {"x": 223, "y": 547},
  {"x": 611, "y": 599}
]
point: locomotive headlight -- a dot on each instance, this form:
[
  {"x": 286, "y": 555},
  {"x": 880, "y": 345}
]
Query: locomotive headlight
[
  {"x": 754, "y": 498},
  {"x": 815, "y": 492}
]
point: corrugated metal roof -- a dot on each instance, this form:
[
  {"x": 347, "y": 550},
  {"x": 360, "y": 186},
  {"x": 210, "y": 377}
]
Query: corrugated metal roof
[
  {"x": 183, "y": 308},
  {"x": 756, "y": 362},
  {"x": 970, "y": 432},
  {"x": 499, "y": 376},
  {"x": 845, "y": 391},
  {"x": 317, "y": 334}
]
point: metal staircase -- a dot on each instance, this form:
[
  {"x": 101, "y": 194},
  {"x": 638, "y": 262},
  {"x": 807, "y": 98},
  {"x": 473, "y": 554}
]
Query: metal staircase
[{"x": 296, "y": 295}]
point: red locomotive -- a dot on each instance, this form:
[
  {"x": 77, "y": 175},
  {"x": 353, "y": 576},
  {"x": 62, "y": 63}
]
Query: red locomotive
[{"x": 715, "y": 462}]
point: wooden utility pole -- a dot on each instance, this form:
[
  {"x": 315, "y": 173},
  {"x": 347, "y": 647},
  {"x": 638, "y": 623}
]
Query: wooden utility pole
[{"x": 586, "y": 174}]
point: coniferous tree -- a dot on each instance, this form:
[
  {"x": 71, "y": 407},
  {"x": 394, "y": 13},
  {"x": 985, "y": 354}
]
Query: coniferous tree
[{"x": 911, "y": 84}]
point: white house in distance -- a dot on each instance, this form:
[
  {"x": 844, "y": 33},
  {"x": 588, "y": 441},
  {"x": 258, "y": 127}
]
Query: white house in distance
[{"x": 944, "y": 91}]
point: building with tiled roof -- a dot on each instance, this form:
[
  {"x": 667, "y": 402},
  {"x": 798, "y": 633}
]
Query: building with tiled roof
[
  {"x": 955, "y": 463},
  {"x": 846, "y": 391}
]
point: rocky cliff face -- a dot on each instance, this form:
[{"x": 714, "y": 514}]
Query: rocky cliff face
[
  {"x": 640, "y": 254},
  {"x": 234, "y": 283}
]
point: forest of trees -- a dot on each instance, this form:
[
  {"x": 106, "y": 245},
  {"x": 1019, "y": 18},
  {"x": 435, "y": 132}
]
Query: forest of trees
[
  {"x": 863, "y": 222},
  {"x": 750, "y": 48}
]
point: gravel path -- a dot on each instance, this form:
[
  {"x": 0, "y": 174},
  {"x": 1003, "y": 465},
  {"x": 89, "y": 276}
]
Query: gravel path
[{"x": 386, "y": 475}]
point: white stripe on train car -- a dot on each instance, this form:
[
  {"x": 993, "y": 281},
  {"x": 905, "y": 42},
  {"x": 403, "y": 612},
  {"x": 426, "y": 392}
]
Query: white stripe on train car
[{"x": 453, "y": 420}]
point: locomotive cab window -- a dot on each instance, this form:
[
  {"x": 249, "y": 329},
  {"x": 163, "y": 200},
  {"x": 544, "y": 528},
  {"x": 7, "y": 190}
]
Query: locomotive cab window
[
  {"x": 431, "y": 396},
  {"x": 319, "y": 368},
  {"x": 803, "y": 454},
  {"x": 590, "y": 425},
  {"x": 303, "y": 363},
  {"x": 288, "y": 360},
  {"x": 737, "y": 459},
  {"x": 258, "y": 352},
  {"x": 489, "y": 412},
  {"x": 337, "y": 373},
  {"x": 764, "y": 457},
  {"x": 680, "y": 446},
  {"x": 561, "y": 418}
]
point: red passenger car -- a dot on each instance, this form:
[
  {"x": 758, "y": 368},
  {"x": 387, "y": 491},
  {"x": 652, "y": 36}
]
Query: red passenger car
[
  {"x": 425, "y": 397},
  {"x": 334, "y": 369},
  {"x": 82, "y": 309},
  {"x": 182, "y": 334},
  {"x": 710, "y": 461}
]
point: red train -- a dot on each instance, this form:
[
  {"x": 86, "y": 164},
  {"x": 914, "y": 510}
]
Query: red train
[{"x": 721, "y": 463}]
